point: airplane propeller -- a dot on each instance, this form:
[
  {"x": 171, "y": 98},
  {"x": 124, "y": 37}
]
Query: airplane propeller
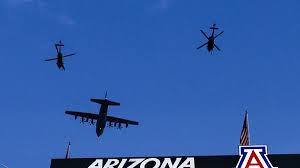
[{"x": 120, "y": 126}]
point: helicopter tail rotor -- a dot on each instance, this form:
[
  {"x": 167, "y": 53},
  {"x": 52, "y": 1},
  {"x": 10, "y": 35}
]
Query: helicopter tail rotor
[
  {"x": 214, "y": 27},
  {"x": 60, "y": 44}
]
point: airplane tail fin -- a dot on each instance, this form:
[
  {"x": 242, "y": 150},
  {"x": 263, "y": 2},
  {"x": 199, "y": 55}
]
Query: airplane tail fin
[{"x": 105, "y": 101}]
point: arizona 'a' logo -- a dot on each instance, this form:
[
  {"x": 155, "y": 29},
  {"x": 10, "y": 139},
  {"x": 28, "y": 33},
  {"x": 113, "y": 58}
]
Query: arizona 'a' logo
[{"x": 254, "y": 157}]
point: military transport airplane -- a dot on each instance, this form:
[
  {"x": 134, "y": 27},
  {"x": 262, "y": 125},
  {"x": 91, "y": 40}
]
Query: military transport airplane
[
  {"x": 59, "y": 57},
  {"x": 102, "y": 117},
  {"x": 211, "y": 40}
]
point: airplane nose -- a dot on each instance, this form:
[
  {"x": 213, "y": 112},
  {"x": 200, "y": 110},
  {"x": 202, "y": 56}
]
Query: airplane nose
[{"x": 99, "y": 132}]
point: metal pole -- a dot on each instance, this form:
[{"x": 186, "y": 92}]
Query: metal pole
[
  {"x": 248, "y": 127},
  {"x": 3, "y": 165}
]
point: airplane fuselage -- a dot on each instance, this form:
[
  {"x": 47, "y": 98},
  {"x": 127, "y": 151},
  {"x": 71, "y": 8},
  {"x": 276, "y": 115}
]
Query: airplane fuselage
[
  {"x": 102, "y": 118},
  {"x": 101, "y": 122}
]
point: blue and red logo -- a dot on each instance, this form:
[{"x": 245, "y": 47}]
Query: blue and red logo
[{"x": 254, "y": 157}]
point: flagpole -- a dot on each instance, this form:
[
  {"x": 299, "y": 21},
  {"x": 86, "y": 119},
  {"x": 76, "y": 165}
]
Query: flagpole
[
  {"x": 68, "y": 151},
  {"x": 248, "y": 127}
]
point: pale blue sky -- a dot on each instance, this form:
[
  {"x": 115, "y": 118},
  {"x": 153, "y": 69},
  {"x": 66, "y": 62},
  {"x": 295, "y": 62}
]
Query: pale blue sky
[{"x": 187, "y": 101}]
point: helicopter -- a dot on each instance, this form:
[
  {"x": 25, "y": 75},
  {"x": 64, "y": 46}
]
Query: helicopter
[
  {"x": 211, "y": 40},
  {"x": 60, "y": 56}
]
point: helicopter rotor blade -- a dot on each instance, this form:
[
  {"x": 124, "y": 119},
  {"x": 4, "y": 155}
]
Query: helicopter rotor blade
[
  {"x": 204, "y": 34},
  {"x": 69, "y": 55},
  {"x": 214, "y": 27},
  {"x": 52, "y": 59},
  {"x": 202, "y": 46},
  {"x": 217, "y": 47},
  {"x": 219, "y": 34}
]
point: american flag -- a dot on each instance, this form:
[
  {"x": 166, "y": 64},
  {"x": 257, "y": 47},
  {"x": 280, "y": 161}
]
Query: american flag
[{"x": 245, "y": 138}]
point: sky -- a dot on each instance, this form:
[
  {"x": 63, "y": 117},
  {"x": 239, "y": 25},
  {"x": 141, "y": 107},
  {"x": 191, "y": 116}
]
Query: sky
[{"x": 187, "y": 101}]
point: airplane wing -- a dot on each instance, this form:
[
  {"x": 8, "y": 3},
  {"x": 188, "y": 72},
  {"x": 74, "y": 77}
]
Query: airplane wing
[
  {"x": 83, "y": 115},
  {"x": 121, "y": 121}
]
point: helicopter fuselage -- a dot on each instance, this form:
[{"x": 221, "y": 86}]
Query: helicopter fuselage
[
  {"x": 210, "y": 43},
  {"x": 59, "y": 62}
]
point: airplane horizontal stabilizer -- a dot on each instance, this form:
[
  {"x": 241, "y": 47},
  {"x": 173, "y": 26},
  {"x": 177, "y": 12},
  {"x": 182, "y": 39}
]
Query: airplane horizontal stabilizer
[{"x": 105, "y": 101}]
